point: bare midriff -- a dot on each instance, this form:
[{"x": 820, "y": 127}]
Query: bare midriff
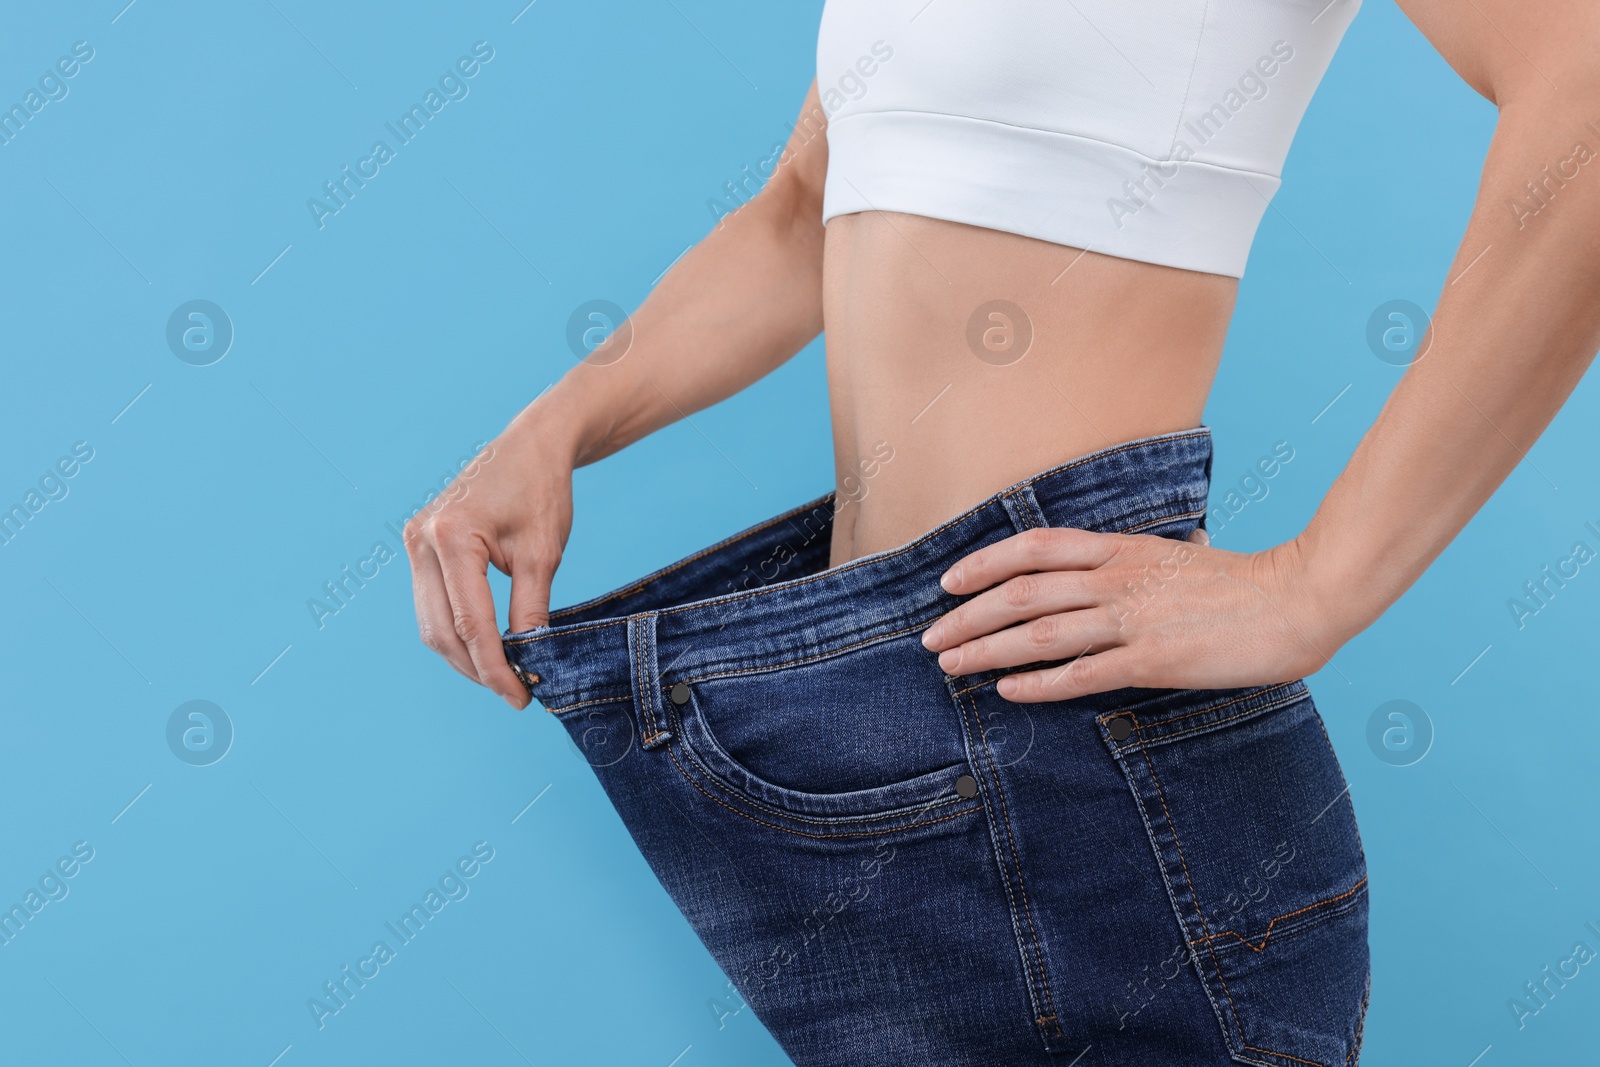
[{"x": 1071, "y": 352}]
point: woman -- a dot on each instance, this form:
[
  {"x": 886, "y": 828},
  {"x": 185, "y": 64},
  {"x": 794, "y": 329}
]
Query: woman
[{"x": 988, "y": 757}]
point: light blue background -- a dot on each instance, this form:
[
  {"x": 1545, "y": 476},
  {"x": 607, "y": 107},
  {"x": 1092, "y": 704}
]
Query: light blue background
[{"x": 377, "y": 350}]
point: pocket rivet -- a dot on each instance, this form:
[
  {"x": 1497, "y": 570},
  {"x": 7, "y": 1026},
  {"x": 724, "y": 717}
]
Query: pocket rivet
[
  {"x": 680, "y": 694},
  {"x": 1120, "y": 728},
  {"x": 966, "y": 787}
]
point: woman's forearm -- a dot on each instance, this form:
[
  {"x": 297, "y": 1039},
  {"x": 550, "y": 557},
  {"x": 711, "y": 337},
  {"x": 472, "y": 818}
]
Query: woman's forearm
[
  {"x": 735, "y": 307},
  {"x": 1515, "y": 328}
]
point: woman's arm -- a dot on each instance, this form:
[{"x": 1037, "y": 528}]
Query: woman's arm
[
  {"x": 741, "y": 302},
  {"x": 1516, "y": 325},
  {"x": 1515, "y": 328},
  {"x": 738, "y": 304}
]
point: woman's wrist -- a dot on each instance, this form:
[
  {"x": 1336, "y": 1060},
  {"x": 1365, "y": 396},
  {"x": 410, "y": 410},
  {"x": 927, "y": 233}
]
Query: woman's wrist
[
  {"x": 564, "y": 427},
  {"x": 1324, "y": 600}
]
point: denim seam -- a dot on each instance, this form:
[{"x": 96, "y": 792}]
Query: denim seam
[
  {"x": 1246, "y": 714},
  {"x": 1188, "y": 879},
  {"x": 735, "y": 672},
  {"x": 1323, "y": 918},
  {"x": 1166, "y": 879},
  {"x": 618, "y": 699},
  {"x": 646, "y": 674},
  {"x": 743, "y": 798},
  {"x": 1145, "y": 443},
  {"x": 1212, "y": 707},
  {"x": 564, "y": 633},
  {"x": 1349, "y": 803},
  {"x": 952, "y": 524},
  {"x": 1200, "y": 914},
  {"x": 641, "y": 692},
  {"x": 1115, "y": 714},
  {"x": 1163, "y": 521},
  {"x": 560, "y": 632},
  {"x": 1005, "y": 885},
  {"x": 802, "y": 833},
  {"x": 1267, "y": 934},
  {"x": 726, "y": 542},
  {"x": 1022, "y": 508},
  {"x": 1050, "y": 1015},
  {"x": 1284, "y": 1056},
  {"x": 1354, "y": 1055}
]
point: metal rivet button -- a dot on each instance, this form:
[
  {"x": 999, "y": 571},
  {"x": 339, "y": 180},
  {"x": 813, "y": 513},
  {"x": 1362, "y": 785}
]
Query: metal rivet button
[
  {"x": 966, "y": 787},
  {"x": 1120, "y": 728},
  {"x": 527, "y": 678},
  {"x": 680, "y": 694}
]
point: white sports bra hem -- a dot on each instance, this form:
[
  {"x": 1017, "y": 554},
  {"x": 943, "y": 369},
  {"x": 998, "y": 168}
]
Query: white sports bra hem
[{"x": 1058, "y": 187}]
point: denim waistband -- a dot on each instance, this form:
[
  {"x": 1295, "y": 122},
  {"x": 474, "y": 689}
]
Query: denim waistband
[{"x": 765, "y": 598}]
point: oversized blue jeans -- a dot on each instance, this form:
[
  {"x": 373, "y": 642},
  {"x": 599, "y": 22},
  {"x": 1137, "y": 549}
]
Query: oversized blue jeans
[{"x": 896, "y": 866}]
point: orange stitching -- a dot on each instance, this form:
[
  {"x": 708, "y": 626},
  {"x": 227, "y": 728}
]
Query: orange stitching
[
  {"x": 1238, "y": 1023},
  {"x": 563, "y": 633},
  {"x": 1202, "y": 711},
  {"x": 952, "y": 524},
  {"x": 1016, "y": 861},
  {"x": 1268, "y": 934},
  {"x": 1284, "y": 1055},
  {"x": 1027, "y": 512},
  {"x": 1272, "y": 706},
  {"x": 717, "y": 780},
  {"x": 597, "y": 700},
  {"x": 803, "y": 659},
  {"x": 1128, "y": 714},
  {"x": 732, "y": 598},
  {"x": 1145, "y": 443},
  {"x": 802, "y": 833},
  {"x": 1163, "y": 521},
  {"x": 644, "y": 695},
  {"x": 1005, "y": 881},
  {"x": 1216, "y": 965},
  {"x": 1361, "y": 1025},
  {"x": 1199, "y": 911}
]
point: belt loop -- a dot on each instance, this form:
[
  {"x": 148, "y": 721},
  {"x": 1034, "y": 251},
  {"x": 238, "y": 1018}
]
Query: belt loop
[
  {"x": 1024, "y": 509},
  {"x": 647, "y": 707}
]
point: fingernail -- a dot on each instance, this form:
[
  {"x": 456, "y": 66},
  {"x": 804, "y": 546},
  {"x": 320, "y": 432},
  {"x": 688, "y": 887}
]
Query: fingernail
[
  {"x": 949, "y": 661},
  {"x": 930, "y": 636},
  {"x": 950, "y": 578},
  {"x": 514, "y": 705}
]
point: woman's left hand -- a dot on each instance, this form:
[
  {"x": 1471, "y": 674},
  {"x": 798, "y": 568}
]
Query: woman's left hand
[{"x": 1129, "y": 610}]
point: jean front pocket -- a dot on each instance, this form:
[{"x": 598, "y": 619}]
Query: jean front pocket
[
  {"x": 1254, "y": 836},
  {"x": 863, "y": 734}
]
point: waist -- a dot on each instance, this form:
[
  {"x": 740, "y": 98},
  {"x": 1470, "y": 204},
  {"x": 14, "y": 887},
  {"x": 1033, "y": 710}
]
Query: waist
[
  {"x": 765, "y": 598},
  {"x": 961, "y": 360}
]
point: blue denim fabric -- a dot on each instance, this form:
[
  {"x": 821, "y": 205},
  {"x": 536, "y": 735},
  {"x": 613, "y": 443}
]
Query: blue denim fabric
[{"x": 895, "y": 866}]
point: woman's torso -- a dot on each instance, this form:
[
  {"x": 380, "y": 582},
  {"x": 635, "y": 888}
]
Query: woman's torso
[
  {"x": 1037, "y": 214},
  {"x": 928, "y": 421}
]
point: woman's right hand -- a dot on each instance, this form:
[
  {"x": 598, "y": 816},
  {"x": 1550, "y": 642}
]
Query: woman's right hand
[
  {"x": 512, "y": 507},
  {"x": 728, "y": 311}
]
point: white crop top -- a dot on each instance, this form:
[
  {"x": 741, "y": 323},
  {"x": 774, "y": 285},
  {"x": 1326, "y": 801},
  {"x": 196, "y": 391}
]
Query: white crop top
[{"x": 1153, "y": 130}]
